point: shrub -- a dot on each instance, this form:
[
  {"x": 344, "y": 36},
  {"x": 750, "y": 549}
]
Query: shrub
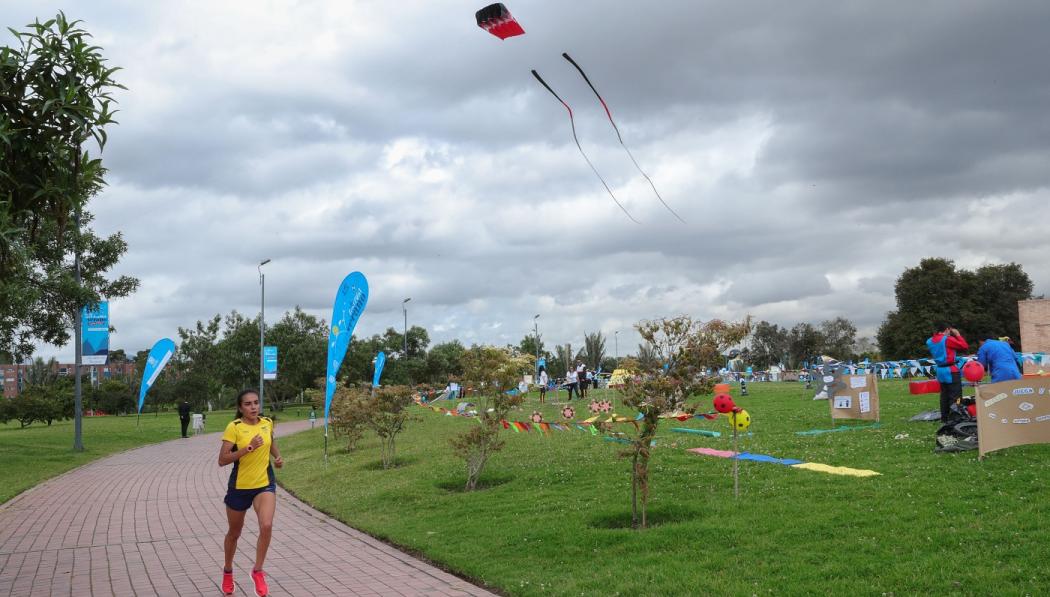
[
  {"x": 491, "y": 371},
  {"x": 349, "y": 415},
  {"x": 34, "y": 404},
  {"x": 387, "y": 414}
]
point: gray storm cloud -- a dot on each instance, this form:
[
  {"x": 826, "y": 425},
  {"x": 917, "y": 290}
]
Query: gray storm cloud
[{"x": 816, "y": 150}]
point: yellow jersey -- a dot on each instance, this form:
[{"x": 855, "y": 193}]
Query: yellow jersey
[{"x": 253, "y": 470}]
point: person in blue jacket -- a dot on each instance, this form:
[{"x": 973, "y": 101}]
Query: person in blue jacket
[{"x": 998, "y": 359}]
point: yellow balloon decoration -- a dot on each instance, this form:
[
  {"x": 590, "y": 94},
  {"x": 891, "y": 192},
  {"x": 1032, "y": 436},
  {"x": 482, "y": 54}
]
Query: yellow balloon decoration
[{"x": 741, "y": 420}]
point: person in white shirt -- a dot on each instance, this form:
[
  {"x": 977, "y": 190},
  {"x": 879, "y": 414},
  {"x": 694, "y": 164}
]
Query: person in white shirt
[
  {"x": 543, "y": 381},
  {"x": 582, "y": 375},
  {"x": 572, "y": 383}
]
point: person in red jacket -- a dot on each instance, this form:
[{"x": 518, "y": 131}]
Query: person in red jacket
[{"x": 943, "y": 345}]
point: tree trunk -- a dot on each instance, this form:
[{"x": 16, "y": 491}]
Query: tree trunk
[
  {"x": 644, "y": 481},
  {"x": 644, "y": 454},
  {"x": 475, "y": 465},
  {"x": 389, "y": 456},
  {"x": 634, "y": 490}
]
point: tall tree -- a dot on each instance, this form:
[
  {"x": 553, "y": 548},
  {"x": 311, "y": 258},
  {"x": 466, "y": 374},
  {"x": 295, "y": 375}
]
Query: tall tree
[
  {"x": 528, "y": 345},
  {"x": 55, "y": 94},
  {"x": 647, "y": 356},
  {"x": 593, "y": 349},
  {"x": 197, "y": 363},
  {"x": 41, "y": 372},
  {"x": 983, "y": 300},
  {"x": 239, "y": 351},
  {"x": 302, "y": 347},
  {"x": 804, "y": 342},
  {"x": 563, "y": 358},
  {"x": 443, "y": 361},
  {"x": 866, "y": 348},
  {"x": 769, "y": 345},
  {"x": 839, "y": 335}
]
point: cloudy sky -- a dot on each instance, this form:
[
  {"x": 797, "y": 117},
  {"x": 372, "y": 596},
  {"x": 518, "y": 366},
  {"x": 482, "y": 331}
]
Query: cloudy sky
[{"x": 815, "y": 150}]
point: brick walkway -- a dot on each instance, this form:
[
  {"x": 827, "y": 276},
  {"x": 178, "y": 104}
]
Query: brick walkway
[{"x": 151, "y": 522}]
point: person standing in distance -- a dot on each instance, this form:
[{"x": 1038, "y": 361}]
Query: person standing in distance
[
  {"x": 247, "y": 443},
  {"x": 542, "y": 383},
  {"x": 572, "y": 384},
  {"x": 184, "y": 416},
  {"x": 943, "y": 344}
]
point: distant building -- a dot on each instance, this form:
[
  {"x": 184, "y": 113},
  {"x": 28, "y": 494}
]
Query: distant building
[
  {"x": 1034, "y": 316},
  {"x": 15, "y": 376}
]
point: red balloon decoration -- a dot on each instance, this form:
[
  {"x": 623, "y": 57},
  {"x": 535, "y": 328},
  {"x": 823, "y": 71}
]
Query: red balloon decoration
[
  {"x": 724, "y": 403},
  {"x": 972, "y": 409},
  {"x": 973, "y": 371}
]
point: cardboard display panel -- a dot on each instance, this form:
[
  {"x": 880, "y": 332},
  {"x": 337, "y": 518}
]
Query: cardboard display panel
[
  {"x": 1013, "y": 413},
  {"x": 854, "y": 397}
]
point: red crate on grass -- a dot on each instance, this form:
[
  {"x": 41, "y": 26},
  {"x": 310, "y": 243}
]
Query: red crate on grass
[{"x": 929, "y": 386}]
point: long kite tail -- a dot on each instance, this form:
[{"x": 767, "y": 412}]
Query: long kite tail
[
  {"x": 572, "y": 123},
  {"x": 619, "y": 136}
]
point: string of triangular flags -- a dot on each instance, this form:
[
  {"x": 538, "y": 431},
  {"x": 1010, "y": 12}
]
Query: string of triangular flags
[
  {"x": 903, "y": 367},
  {"x": 591, "y": 425}
]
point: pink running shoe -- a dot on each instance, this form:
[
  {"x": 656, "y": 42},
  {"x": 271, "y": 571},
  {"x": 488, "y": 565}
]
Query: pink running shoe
[
  {"x": 259, "y": 577},
  {"x": 227, "y": 582}
]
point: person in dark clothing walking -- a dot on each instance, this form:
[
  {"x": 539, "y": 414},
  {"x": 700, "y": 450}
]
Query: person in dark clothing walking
[
  {"x": 184, "y": 416},
  {"x": 943, "y": 344}
]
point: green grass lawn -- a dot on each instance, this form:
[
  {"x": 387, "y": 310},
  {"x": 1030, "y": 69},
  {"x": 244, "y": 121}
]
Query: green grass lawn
[
  {"x": 39, "y": 452},
  {"x": 553, "y": 514}
]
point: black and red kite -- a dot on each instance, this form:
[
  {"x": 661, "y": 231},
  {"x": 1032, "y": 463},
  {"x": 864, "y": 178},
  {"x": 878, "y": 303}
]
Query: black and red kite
[{"x": 497, "y": 20}]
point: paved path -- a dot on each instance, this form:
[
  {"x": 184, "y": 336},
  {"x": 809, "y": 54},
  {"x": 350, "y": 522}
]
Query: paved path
[{"x": 151, "y": 522}]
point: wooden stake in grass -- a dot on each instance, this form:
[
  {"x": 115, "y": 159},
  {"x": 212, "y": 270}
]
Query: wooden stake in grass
[{"x": 736, "y": 461}]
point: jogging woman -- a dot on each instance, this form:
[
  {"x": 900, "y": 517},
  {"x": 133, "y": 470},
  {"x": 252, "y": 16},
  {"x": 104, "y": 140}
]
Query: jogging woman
[{"x": 248, "y": 443}]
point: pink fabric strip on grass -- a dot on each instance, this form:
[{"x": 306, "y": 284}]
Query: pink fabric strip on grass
[{"x": 713, "y": 452}]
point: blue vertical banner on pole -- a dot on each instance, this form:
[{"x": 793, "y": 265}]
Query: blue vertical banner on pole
[
  {"x": 380, "y": 361},
  {"x": 269, "y": 362},
  {"x": 350, "y": 302},
  {"x": 159, "y": 356},
  {"x": 95, "y": 333}
]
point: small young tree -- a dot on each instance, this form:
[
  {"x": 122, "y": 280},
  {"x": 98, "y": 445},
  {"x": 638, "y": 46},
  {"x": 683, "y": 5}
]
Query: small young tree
[
  {"x": 387, "y": 413},
  {"x": 349, "y": 414},
  {"x": 491, "y": 371},
  {"x": 684, "y": 350}
]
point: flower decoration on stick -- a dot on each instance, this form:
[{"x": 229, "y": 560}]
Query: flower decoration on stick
[
  {"x": 740, "y": 419},
  {"x": 723, "y": 403},
  {"x": 594, "y": 407},
  {"x": 537, "y": 416}
]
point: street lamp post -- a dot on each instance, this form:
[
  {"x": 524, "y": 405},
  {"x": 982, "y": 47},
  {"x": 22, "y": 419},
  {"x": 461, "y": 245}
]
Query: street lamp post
[
  {"x": 404, "y": 308},
  {"x": 616, "y": 338},
  {"x": 536, "y": 336},
  {"x": 78, "y": 358},
  {"x": 262, "y": 328}
]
